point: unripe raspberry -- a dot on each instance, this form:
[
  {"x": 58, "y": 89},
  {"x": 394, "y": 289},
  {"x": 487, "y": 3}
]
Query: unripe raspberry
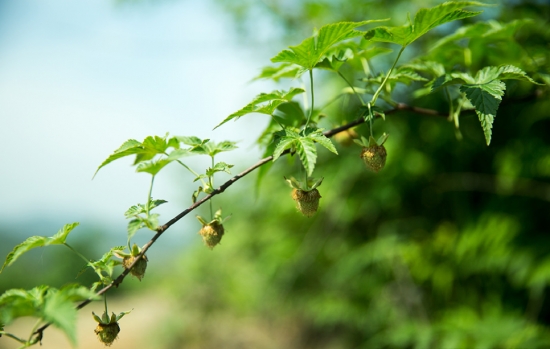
[
  {"x": 374, "y": 157},
  {"x": 212, "y": 233},
  {"x": 306, "y": 201},
  {"x": 107, "y": 333},
  {"x": 139, "y": 269}
]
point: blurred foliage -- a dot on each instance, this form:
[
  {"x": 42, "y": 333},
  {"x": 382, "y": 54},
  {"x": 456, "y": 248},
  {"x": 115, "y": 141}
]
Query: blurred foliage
[{"x": 445, "y": 248}]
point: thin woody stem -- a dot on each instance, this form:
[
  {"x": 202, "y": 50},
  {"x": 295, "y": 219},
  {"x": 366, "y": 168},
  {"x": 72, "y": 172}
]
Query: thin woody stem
[{"x": 227, "y": 184}]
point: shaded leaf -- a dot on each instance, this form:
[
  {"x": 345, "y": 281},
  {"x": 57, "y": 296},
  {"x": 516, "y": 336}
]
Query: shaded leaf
[
  {"x": 487, "y": 30},
  {"x": 318, "y": 137},
  {"x": 486, "y": 99}
]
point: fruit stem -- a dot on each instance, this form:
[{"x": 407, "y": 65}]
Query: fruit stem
[
  {"x": 20, "y": 340},
  {"x": 352, "y": 88},
  {"x": 77, "y": 253},
  {"x": 211, "y": 181},
  {"x": 33, "y": 331},
  {"x": 312, "y": 97},
  {"x": 105, "y": 303},
  {"x": 377, "y": 93},
  {"x": 451, "y": 109},
  {"x": 149, "y": 196}
]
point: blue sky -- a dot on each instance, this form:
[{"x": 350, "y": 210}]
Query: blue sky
[{"x": 78, "y": 78}]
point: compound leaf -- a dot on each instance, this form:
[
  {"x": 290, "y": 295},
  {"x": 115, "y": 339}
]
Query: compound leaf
[
  {"x": 130, "y": 147},
  {"x": 314, "y": 49},
  {"x": 264, "y": 103},
  {"x": 318, "y": 137},
  {"x": 485, "y": 98},
  {"x": 307, "y": 153},
  {"x": 38, "y": 241},
  {"x": 424, "y": 21}
]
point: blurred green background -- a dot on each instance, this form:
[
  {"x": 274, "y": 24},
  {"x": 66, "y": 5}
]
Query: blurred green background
[{"x": 447, "y": 247}]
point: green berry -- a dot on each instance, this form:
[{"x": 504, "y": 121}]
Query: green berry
[
  {"x": 374, "y": 157},
  {"x": 307, "y": 202},
  {"x": 139, "y": 269},
  {"x": 212, "y": 233},
  {"x": 107, "y": 333}
]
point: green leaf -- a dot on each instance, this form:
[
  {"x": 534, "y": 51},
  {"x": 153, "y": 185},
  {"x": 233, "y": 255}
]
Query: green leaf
[
  {"x": 307, "y": 153},
  {"x": 318, "y": 136},
  {"x": 153, "y": 167},
  {"x": 121, "y": 315},
  {"x": 61, "y": 235},
  {"x": 134, "y": 225},
  {"x": 485, "y": 98},
  {"x": 147, "y": 150},
  {"x": 38, "y": 241},
  {"x": 506, "y": 72},
  {"x": 314, "y": 49},
  {"x": 156, "y": 203},
  {"x": 17, "y": 303},
  {"x": 289, "y": 114},
  {"x": 219, "y": 167},
  {"x": 192, "y": 140},
  {"x": 135, "y": 210},
  {"x": 313, "y": 183},
  {"x": 130, "y": 147},
  {"x": 106, "y": 263},
  {"x": 77, "y": 293},
  {"x": 61, "y": 312},
  {"x": 404, "y": 75},
  {"x": 213, "y": 149},
  {"x": 176, "y": 154},
  {"x": 424, "y": 21},
  {"x": 264, "y": 103},
  {"x": 454, "y": 78},
  {"x": 285, "y": 70},
  {"x": 489, "y": 30},
  {"x": 285, "y": 140},
  {"x": 46, "y": 303}
]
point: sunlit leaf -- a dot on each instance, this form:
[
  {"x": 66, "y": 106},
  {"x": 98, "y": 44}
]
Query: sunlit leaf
[
  {"x": 219, "y": 167},
  {"x": 424, "y": 21},
  {"x": 154, "y": 166},
  {"x": 264, "y": 103},
  {"x": 61, "y": 235},
  {"x": 307, "y": 153},
  {"x": 133, "y": 226},
  {"x": 38, "y": 241},
  {"x": 130, "y": 147},
  {"x": 285, "y": 140},
  {"x": 61, "y": 312},
  {"x": 285, "y": 70},
  {"x": 314, "y": 49}
]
